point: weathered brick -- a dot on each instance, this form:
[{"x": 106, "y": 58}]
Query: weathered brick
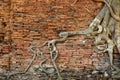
[{"x": 37, "y": 21}]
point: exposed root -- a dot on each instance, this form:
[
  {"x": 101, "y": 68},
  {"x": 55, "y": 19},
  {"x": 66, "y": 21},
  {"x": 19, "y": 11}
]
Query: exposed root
[
  {"x": 111, "y": 11},
  {"x": 102, "y": 29},
  {"x": 28, "y": 67},
  {"x": 105, "y": 29}
]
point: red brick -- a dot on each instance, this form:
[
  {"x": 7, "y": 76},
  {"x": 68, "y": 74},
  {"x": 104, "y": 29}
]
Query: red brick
[{"x": 29, "y": 15}]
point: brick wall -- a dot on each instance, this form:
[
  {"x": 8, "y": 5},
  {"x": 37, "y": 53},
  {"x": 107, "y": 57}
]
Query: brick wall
[{"x": 26, "y": 22}]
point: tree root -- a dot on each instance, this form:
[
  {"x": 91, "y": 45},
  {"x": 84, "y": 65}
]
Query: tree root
[
  {"x": 105, "y": 30},
  {"x": 101, "y": 28},
  {"x": 28, "y": 67},
  {"x": 116, "y": 17}
]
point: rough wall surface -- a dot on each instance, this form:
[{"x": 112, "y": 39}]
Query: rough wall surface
[
  {"x": 36, "y": 21},
  {"x": 32, "y": 22}
]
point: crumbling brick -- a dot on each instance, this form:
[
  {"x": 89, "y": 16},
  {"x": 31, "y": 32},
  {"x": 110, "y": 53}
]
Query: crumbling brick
[{"x": 31, "y": 21}]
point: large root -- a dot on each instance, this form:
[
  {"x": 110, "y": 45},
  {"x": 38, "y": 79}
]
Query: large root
[
  {"x": 105, "y": 29},
  {"x": 8, "y": 75},
  {"x": 102, "y": 29}
]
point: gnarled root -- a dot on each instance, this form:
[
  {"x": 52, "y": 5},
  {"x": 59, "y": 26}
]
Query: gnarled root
[
  {"x": 64, "y": 35},
  {"x": 105, "y": 28},
  {"x": 28, "y": 67}
]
